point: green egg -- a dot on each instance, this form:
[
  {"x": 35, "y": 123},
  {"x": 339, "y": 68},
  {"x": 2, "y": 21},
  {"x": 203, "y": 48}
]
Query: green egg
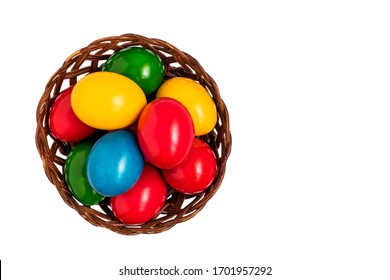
[
  {"x": 76, "y": 175},
  {"x": 141, "y": 65}
]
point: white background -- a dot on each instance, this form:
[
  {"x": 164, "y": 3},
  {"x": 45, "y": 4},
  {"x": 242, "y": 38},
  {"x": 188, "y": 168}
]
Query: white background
[{"x": 306, "y": 188}]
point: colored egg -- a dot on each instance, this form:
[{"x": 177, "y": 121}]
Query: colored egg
[
  {"x": 76, "y": 175},
  {"x": 139, "y": 64},
  {"x": 63, "y": 122},
  {"x": 196, "y": 172},
  {"x": 144, "y": 200},
  {"x": 195, "y": 98},
  {"x": 107, "y": 100},
  {"x": 114, "y": 163},
  {"x": 165, "y": 132}
]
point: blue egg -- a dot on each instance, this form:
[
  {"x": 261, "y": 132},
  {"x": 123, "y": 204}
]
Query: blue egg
[{"x": 115, "y": 163}]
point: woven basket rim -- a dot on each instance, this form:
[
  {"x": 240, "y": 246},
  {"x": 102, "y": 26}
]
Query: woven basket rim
[{"x": 178, "y": 207}]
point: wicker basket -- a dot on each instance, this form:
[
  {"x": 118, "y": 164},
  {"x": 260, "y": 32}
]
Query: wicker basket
[{"x": 178, "y": 207}]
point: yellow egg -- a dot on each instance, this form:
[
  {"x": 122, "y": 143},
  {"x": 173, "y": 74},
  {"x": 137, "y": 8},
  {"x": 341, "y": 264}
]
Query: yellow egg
[
  {"x": 107, "y": 100},
  {"x": 195, "y": 98}
]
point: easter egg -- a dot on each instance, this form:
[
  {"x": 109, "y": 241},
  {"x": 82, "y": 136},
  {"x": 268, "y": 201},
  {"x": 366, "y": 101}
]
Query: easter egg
[
  {"x": 196, "y": 172},
  {"x": 76, "y": 175},
  {"x": 107, "y": 100},
  {"x": 165, "y": 132},
  {"x": 144, "y": 200},
  {"x": 114, "y": 163},
  {"x": 139, "y": 64},
  {"x": 195, "y": 98},
  {"x": 63, "y": 122}
]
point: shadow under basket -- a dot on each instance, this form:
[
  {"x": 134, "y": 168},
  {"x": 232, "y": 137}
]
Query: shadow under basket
[{"x": 178, "y": 207}]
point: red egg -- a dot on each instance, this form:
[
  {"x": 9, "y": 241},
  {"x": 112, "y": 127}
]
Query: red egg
[
  {"x": 144, "y": 200},
  {"x": 196, "y": 172},
  {"x": 63, "y": 122},
  {"x": 165, "y": 132}
]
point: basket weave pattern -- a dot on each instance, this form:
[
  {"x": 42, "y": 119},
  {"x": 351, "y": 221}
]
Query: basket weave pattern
[{"x": 178, "y": 207}]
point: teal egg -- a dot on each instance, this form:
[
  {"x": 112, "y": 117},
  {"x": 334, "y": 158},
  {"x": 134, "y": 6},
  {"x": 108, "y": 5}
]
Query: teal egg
[{"x": 115, "y": 163}]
